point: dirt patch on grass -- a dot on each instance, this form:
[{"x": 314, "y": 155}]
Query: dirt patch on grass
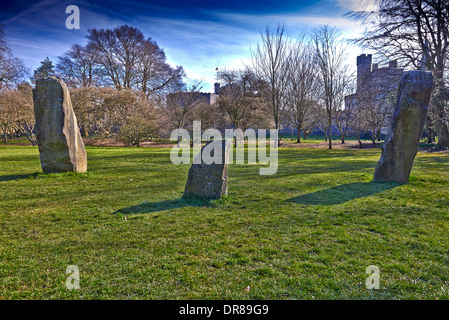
[
  {"x": 335, "y": 145},
  {"x": 115, "y": 143}
]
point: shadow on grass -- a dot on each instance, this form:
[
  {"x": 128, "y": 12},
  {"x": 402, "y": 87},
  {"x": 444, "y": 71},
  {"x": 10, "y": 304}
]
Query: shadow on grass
[
  {"x": 343, "y": 193},
  {"x": 159, "y": 206},
  {"x": 18, "y": 176}
]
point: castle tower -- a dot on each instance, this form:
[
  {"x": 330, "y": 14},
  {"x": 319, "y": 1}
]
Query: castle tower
[{"x": 363, "y": 67}]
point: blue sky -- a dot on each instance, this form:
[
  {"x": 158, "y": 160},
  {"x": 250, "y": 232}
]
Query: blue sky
[{"x": 199, "y": 35}]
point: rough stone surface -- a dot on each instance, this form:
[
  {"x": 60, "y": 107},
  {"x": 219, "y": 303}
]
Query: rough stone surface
[
  {"x": 401, "y": 143},
  {"x": 209, "y": 180},
  {"x": 61, "y": 147}
]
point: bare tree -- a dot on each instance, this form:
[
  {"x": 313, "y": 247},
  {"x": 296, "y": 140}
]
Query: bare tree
[
  {"x": 377, "y": 104},
  {"x": 8, "y": 113},
  {"x": 17, "y": 112},
  {"x": 179, "y": 104},
  {"x": 139, "y": 123},
  {"x": 270, "y": 62},
  {"x": 78, "y": 66},
  {"x": 239, "y": 100},
  {"x": 88, "y": 110},
  {"x": 129, "y": 60},
  {"x": 343, "y": 112},
  {"x": 329, "y": 58},
  {"x": 417, "y": 32},
  {"x": 358, "y": 122},
  {"x": 155, "y": 74},
  {"x": 12, "y": 69},
  {"x": 208, "y": 114},
  {"x": 314, "y": 115},
  {"x": 26, "y": 121},
  {"x": 302, "y": 87},
  {"x": 125, "y": 114}
]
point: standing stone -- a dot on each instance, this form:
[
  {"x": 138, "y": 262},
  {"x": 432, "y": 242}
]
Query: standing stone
[
  {"x": 401, "y": 144},
  {"x": 61, "y": 147},
  {"x": 206, "y": 179}
]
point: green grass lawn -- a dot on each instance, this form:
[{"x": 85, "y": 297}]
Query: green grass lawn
[{"x": 308, "y": 232}]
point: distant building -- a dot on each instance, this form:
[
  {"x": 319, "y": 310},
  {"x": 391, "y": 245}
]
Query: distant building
[
  {"x": 183, "y": 98},
  {"x": 218, "y": 89},
  {"x": 374, "y": 80},
  {"x": 375, "y": 85}
]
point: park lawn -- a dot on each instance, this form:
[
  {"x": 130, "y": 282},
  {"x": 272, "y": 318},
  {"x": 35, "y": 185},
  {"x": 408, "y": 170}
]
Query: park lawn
[{"x": 307, "y": 232}]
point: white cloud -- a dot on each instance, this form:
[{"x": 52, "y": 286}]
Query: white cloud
[
  {"x": 346, "y": 25},
  {"x": 357, "y": 5}
]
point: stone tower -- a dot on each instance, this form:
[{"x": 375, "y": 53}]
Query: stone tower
[{"x": 363, "y": 67}]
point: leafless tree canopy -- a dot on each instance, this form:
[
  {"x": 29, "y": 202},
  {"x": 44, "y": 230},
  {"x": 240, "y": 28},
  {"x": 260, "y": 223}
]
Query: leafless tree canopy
[
  {"x": 302, "y": 88},
  {"x": 239, "y": 99},
  {"x": 270, "y": 61},
  {"x": 17, "y": 112},
  {"x": 12, "y": 69},
  {"x": 79, "y": 67},
  {"x": 122, "y": 58},
  {"x": 180, "y": 103},
  {"x": 332, "y": 70}
]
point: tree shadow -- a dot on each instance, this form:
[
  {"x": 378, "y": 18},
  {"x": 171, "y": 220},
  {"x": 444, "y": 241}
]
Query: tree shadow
[
  {"x": 343, "y": 193},
  {"x": 147, "y": 207},
  {"x": 18, "y": 176}
]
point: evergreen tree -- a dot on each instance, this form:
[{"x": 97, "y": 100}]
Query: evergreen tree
[{"x": 46, "y": 69}]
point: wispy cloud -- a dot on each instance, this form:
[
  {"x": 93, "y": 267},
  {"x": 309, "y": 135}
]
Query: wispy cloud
[
  {"x": 357, "y": 5},
  {"x": 199, "y": 36},
  {"x": 293, "y": 21}
]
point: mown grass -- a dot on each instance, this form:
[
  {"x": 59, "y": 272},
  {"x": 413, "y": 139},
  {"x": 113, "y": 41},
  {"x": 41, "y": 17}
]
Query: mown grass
[{"x": 308, "y": 232}]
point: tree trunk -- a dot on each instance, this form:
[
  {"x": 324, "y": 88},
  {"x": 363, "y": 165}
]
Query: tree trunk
[
  {"x": 280, "y": 135},
  {"x": 298, "y": 138},
  {"x": 430, "y": 133},
  {"x": 429, "y": 136},
  {"x": 330, "y": 132},
  {"x": 438, "y": 101},
  {"x": 276, "y": 124},
  {"x": 429, "y": 127},
  {"x": 31, "y": 138},
  {"x": 443, "y": 136}
]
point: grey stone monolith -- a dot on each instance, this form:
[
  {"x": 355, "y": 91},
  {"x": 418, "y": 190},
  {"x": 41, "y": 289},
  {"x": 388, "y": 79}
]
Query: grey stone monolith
[
  {"x": 61, "y": 147},
  {"x": 208, "y": 175},
  {"x": 402, "y": 141}
]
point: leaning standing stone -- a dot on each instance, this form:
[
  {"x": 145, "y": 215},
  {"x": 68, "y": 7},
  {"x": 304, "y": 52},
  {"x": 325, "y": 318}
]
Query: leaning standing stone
[
  {"x": 61, "y": 147},
  {"x": 208, "y": 175},
  {"x": 401, "y": 144}
]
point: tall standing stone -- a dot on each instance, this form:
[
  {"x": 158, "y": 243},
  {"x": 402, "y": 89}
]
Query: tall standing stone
[
  {"x": 209, "y": 179},
  {"x": 61, "y": 147},
  {"x": 401, "y": 144}
]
